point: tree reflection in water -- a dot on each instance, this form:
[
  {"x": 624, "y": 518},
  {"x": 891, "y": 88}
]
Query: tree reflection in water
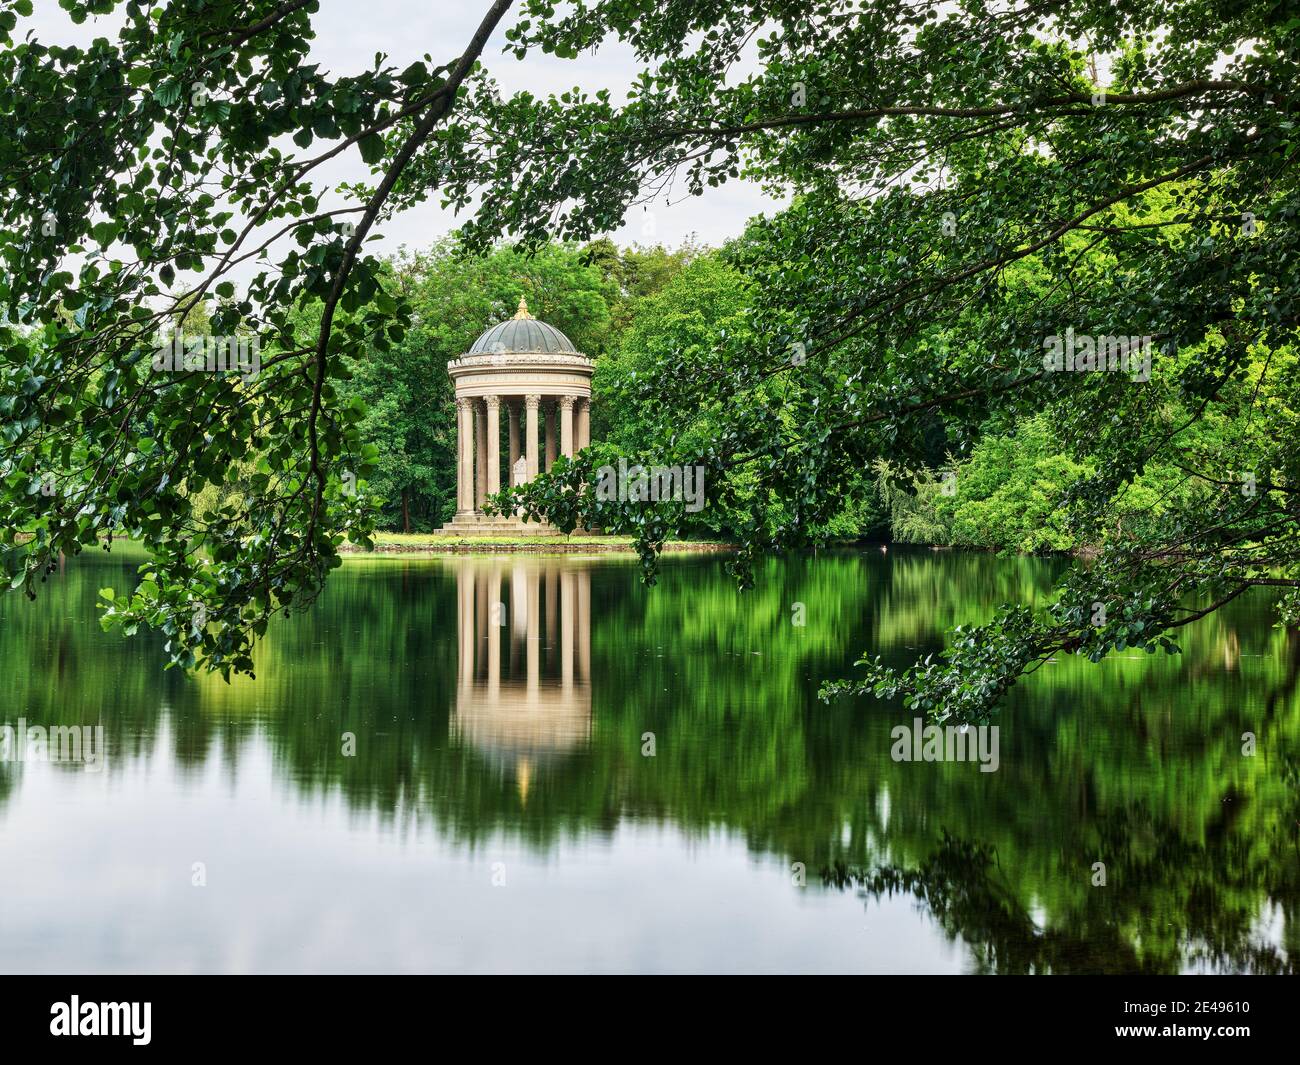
[{"x": 509, "y": 696}]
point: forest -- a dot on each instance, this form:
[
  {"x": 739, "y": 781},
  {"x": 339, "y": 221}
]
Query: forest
[{"x": 629, "y": 308}]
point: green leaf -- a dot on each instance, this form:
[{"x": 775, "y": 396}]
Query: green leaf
[{"x": 372, "y": 147}]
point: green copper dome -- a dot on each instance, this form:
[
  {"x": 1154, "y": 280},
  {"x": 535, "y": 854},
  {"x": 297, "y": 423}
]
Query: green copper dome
[{"x": 522, "y": 333}]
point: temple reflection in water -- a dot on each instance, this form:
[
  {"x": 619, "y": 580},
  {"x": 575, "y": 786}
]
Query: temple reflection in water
[{"x": 523, "y": 693}]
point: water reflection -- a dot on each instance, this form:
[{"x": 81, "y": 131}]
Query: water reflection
[
  {"x": 523, "y": 692},
  {"x": 498, "y": 706}
]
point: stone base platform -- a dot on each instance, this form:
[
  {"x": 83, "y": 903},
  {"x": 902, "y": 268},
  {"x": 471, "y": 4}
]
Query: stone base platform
[{"x": 481, "y": 525}]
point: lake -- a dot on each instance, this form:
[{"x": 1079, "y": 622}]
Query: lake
[{"x": 533, "y": 763}]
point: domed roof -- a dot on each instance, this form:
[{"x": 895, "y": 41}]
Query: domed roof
[{"x": 523, "y": 332}]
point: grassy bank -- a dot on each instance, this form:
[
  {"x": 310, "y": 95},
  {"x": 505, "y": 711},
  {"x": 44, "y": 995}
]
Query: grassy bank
[{"x": 398, "y": 543}]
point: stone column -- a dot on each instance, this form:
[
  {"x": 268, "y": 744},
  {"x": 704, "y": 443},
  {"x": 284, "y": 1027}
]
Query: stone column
[
  {"x": 464, "y": 457},
  {"x": 568, "y": 627},
  {"x": 519, "y": 600},
  {"x": 495, "y": 621},
  {"x": 584, "y": 626},
  {"x": 552, "y": 608},
  {"x": 493, "y": 404},
  {"x": 465, "y": 623},
  {"x": 480, "y": 620},
  {"x": 582, "y": 424},
  {"x": 518, "y": 616},
  {"x": 530, "y": 433},
  {"x": 512, "y": 416},
  {"x": 566, "y": 426},
  {"x": 481, "y": 445},
  {"x": 534, "y": 630},
  {"x": 550, "y": 434}
]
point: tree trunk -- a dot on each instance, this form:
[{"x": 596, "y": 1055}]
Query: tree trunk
[{"x": 406, "y": 512}]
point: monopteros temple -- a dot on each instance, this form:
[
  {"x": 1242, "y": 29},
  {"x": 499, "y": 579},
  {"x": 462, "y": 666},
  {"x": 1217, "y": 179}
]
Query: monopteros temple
[{"x": 534, "y": 372}]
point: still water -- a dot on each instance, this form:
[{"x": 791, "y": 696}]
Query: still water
[{"x": 531, "y": 763}]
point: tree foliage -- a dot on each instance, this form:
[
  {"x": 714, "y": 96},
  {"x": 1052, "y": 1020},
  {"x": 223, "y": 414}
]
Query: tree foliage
[
  {"x": 135, "y": 175},
  {"x": 965, "y": 182},
  {"x": 968, "y": 183}
]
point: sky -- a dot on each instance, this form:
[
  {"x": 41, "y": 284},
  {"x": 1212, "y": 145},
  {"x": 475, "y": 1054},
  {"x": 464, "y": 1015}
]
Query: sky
[{"x": 350, "y": 32}]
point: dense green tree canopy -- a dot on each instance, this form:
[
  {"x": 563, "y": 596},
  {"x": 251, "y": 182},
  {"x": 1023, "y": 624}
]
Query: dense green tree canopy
[
  {"x": 967, "y": 183},
  {"x": 972, "y": 185},
  {"x": 135, "y": 175}
]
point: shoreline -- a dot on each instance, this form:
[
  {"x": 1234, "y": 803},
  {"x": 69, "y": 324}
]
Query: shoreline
[
  {"x": 434, "y": 544},
  {"x": 438, "y": 545}
]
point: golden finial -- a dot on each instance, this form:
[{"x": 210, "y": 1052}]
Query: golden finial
[{"x": 522, "y": 312}]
